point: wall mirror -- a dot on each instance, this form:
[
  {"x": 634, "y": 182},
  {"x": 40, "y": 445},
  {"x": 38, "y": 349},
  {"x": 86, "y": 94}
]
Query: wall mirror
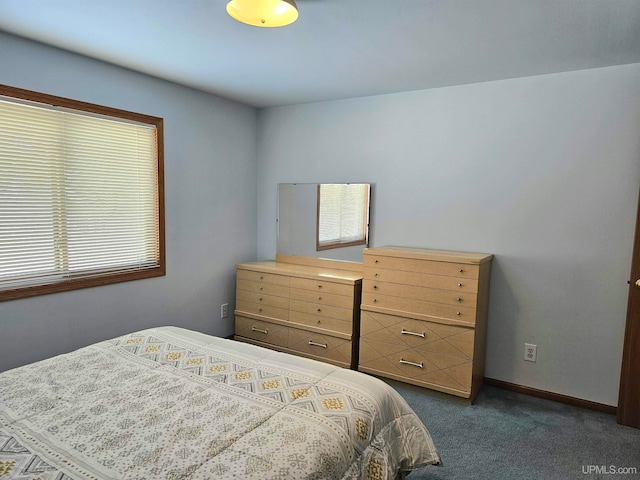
[{"x": 323, "y": 220}]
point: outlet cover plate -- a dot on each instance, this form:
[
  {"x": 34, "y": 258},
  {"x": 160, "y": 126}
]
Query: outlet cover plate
[{"x": 530, "y": 352}]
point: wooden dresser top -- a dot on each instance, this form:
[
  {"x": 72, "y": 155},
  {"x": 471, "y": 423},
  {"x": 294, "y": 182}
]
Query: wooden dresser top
[
  {"x": 306, "y": 267},
  {"x": 430, "y": 254}
]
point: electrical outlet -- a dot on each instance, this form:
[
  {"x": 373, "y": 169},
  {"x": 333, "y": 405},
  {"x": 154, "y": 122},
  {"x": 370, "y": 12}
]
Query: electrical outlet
[
  {"x": 224, "y": 310},
  {"x": 530, "y": 352}
]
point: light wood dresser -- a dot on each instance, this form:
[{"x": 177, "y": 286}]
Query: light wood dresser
[
  {"x": 301, "y": 305},
  {"x": 424, "y": 317}
]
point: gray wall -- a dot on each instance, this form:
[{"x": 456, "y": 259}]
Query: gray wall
[
  {"x": 210, "y": 195},
  {"x": 541, "y": 171}
]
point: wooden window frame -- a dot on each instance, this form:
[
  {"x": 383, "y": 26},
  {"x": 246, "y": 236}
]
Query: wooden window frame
[
  {"x": 109, "y": 277},
  {"x": 330, "y": 246}
]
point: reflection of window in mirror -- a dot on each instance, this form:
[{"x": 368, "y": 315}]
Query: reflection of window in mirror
[{"x": 343, "y": 215}]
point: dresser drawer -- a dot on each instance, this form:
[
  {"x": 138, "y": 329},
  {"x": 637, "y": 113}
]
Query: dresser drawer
[
  {"x": 262, "y": 331},
  {"x": 460, "y": 270},
  {"x": 322, "y": 286},
  {"x": 431, "y": 309},
  {"x": 262, "y": 299},
  {"x": 321, "y": 346},
  {"x": 327, "y": 323},
  {"x": 260, "y": 309},
  {"x": 442, "y": 372},
  {"x": 321, "y": 298},
  {"x": 262, "y": 277},
  {"x": 420, "y": 293},
  {"x": 442, "y": 282},
  {"x": 344, "y": 314},
  {"x": 419, "y": 335},
  {"x": 267, "y": 288}
]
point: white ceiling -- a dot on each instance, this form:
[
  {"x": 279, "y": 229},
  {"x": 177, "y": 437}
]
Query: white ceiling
[{"x": 337, "y": 48}]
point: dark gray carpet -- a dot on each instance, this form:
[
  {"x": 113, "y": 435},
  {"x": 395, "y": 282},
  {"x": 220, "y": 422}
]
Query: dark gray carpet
[{"x": 511, "y": 436}]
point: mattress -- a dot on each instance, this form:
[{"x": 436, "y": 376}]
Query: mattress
[{"x": 169, "y": 403}]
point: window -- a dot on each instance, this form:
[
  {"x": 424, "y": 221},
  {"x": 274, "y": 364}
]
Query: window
[
  {"x": 343, "y": 215},
  {"x": 81, "y": 194}
]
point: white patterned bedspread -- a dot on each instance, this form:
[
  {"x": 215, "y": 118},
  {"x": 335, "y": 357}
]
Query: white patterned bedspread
[{"x": 168, "y": 403}]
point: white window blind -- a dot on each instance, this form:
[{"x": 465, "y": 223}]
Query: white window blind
[
  {"x": 79, "y": 195},
  {"x": 342, "y": 214}
]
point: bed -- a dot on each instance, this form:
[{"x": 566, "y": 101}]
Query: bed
[{"x": 169, "y": 403}]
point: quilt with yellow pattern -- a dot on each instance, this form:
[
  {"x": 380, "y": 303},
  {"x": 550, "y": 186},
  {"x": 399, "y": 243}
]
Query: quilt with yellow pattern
[{"x": 169, "y": 403}]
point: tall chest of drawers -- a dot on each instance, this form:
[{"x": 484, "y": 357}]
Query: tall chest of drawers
[
  {"x": 423, "y": 317},
  {"x": 300, "y": 305}
]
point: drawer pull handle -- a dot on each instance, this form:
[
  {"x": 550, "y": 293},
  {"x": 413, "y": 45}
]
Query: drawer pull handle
[
  {"x": 375, "y": 287},
  {"x": 458, "y": 313},
  {"x": 319, "y": 286},
  {"x": 261, "y": 288},
  {"x": 314, "y": 344},
  {"x": 461, "y": 270},
  {"x": 407, "y": 332},
  {"x": 261, "y": 277},
  {"x": 319, "y": 310},
  {"x": 375, "y": 300},
  {"x": 319, "y": 298},
  {"x": 459, "y": 299},
  {"x": 375, "y": 274},
  {"x": 375, "y": 261},
  {"x": 260, "y": 299},
  {"x": 459, "y": 284},
  {"x": 405, "y": 362},
  {"x": 254, "y": 329}
]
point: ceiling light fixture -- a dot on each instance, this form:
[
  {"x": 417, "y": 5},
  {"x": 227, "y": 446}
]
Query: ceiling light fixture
[{"x": 263, "y": 13}]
